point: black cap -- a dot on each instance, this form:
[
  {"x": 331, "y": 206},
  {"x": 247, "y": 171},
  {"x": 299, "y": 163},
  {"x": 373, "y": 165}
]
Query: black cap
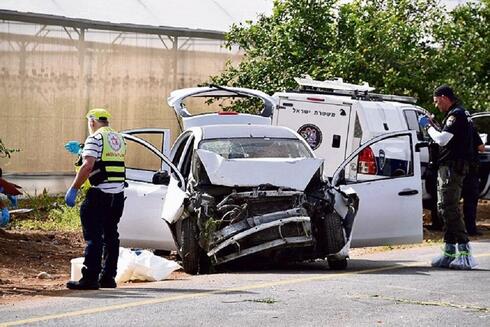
[{"x": 445, "y": 90}]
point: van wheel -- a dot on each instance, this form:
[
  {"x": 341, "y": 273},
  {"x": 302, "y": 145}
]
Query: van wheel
[
  {"x": 194, "y": 259},
  {"x": 336, "y": 264}
]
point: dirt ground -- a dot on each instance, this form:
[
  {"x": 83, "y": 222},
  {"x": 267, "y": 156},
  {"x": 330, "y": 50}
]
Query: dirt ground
[{"x": 37, "y": 263}]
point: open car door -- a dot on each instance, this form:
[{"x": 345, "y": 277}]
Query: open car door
[
  {"x": 482, "y": 124},
  {"x": 147, "y": 176},
  {"x": 385, "y": 173}
]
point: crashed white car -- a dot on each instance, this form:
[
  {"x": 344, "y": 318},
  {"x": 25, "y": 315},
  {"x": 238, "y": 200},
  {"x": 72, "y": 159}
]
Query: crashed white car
[{"x": 241, "y": 190}]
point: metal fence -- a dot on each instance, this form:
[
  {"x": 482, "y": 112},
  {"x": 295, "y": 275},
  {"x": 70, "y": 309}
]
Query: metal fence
[{"x": 51, "y": 75}]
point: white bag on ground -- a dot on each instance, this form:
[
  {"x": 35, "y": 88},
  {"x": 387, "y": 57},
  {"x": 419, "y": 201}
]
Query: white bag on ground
[{"x": 143, "y": 265}]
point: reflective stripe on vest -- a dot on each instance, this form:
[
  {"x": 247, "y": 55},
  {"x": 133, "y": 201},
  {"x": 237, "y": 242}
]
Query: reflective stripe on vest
[{"x": 111, "y": 167}]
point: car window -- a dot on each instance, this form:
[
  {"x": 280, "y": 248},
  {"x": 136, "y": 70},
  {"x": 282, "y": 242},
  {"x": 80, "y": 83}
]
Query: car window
[
  {"x": 236, "y": 148},
  {"x": 482, "y": 125},
  {"x": 180, "y": 148},
  {"x": 140, "y": 157},
  {"x": 185, "y": 163},
  {"x": 388, "y": 158}
]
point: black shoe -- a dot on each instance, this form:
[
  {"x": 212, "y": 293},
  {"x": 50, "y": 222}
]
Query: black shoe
[
  {"x": 107, "y": 283},
  {"x": 83, "y": 284}
]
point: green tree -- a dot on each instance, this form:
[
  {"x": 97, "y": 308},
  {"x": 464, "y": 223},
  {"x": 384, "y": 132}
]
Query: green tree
[
  {"x": 463, "y": 56},
  {"x": 398, "y": 46},
  {"x": 388, "y": 44},
  {"x": 291, "y": 42}
]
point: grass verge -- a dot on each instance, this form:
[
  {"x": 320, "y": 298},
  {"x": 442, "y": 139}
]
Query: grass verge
[{"x": 49, "y": 213}]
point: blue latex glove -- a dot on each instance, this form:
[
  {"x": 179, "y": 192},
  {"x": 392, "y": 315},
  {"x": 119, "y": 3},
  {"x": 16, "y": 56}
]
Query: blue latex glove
[
  {"x": 71, "y": 196},
  {"x": 4, "y": 219},
  {"x": 1, "y": 189},
  {"x": 13, "y": 200},
  {"x": 424, "y": 121},
  {"x": 73, "y": 147}
]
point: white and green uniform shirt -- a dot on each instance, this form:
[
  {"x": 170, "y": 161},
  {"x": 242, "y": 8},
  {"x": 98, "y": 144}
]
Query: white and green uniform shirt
[{"x": 93, "y": 147}]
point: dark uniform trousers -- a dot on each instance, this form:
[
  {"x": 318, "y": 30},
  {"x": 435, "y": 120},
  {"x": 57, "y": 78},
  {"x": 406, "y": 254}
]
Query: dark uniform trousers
[
  {"x": 470, "y": 195},
  {"x": 450, "y": 181},
  {"x": 100, "y": 213}
]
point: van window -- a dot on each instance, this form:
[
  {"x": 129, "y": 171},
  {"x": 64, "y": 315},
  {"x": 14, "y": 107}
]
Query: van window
[
  {"x": 357, "y": 128},
  {"x": 412, "y": 118}
]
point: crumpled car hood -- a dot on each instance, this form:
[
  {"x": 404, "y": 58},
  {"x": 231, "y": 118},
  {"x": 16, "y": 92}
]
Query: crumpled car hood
[{"x": 294, "y": 173}]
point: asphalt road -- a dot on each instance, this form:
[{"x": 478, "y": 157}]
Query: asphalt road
[{"x": 397, "y": 287}]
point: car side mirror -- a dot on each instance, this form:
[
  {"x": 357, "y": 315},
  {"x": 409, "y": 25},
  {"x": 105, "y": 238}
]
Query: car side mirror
[{"x": 161, "y": 178}]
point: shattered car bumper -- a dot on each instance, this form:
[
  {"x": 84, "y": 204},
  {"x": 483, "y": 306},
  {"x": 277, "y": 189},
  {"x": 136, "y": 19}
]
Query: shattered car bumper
[
  {"x": 242, "y": 226},
  {"x": 281, "y": 233}
]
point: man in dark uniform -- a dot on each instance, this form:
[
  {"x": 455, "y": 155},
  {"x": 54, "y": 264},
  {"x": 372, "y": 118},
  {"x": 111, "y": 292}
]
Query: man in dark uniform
[
  {"x": 471, "y": 185},
  {"x": 103, "y": 165},
  {"x": 456, "y": 145}
]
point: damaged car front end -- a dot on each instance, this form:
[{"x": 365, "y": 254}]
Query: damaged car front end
[{"x": 262, "y": 207}]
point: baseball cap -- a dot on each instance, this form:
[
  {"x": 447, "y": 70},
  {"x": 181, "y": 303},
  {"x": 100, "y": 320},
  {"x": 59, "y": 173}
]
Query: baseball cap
[
  {"x": 98, "y": 113},
  {"x": 445, "y": 90}
]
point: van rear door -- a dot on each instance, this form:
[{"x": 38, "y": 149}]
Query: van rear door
[{"x": 323, "y": 123}]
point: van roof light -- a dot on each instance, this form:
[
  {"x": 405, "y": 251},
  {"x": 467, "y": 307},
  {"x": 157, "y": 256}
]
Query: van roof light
[{"x": 337, "y": 86}]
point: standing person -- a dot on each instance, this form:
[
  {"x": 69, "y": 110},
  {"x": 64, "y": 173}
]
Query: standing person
[
  {"x": 456, "y": 145},
  {"x": 103, "y": 164},
  {"x": 471, "y": 186}
]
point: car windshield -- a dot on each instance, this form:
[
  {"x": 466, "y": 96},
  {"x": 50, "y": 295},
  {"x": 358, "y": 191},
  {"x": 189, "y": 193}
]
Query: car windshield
[{"x": 257, "y": 148}]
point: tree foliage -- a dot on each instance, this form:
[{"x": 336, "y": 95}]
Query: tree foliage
[
  {"x": 463, "y": 58},
  {"x": 404, "y": 47}
]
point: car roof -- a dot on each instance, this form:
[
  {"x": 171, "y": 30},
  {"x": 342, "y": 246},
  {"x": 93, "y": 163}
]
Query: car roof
[{"x": 234, "y": 131}]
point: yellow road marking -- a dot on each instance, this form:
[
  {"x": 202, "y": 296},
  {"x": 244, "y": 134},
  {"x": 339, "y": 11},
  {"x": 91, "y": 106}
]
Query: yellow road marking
[{"x": 204, "y": 294}]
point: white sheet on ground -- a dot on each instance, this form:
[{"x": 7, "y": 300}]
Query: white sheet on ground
[{"x": 143, "y": 265}]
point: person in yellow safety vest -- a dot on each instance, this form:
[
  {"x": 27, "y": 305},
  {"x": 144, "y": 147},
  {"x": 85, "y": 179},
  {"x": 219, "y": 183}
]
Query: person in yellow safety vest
[{"x": 103, "y": 157}]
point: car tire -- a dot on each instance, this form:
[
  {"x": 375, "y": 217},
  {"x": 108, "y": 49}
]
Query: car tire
[
  {"x": 194, "y": 259},
  {"x": 189, "y": 248},
  {"x": 334, "y": 237},
  {"x": 336, "y": 264}
]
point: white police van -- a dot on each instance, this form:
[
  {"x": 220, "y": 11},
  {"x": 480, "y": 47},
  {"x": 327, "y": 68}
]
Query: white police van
[{"x": 335, "y": 118}]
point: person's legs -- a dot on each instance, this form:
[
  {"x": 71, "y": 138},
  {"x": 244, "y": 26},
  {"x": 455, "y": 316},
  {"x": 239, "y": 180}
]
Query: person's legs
[
  {"x": 449, "y": 192},
  {"x": 90, "y": 215},
  {"x": 470, "y": 201},
  {"x": 111, "y": 239}
]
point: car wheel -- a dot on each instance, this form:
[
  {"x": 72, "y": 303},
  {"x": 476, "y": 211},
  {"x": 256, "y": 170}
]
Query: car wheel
[
  {"x": 336, "y": 264},
  {"x": 189, "y": 248},
  {"x": 334, "y": 237},
  {"x": 194, "y": 259}
]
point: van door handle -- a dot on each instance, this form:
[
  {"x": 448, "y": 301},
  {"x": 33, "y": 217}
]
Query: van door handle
[{"x": 408, "y": 192}]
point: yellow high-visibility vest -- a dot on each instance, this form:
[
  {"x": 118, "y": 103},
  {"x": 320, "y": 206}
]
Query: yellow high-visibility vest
[{"x": 110, "y": 168}]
